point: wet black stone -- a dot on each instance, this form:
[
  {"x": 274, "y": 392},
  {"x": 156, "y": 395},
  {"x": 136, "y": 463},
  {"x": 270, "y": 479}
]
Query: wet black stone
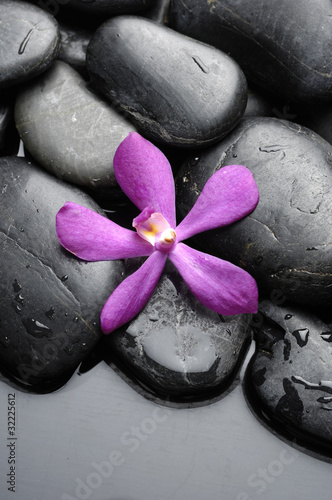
[
  {"x": 286, "y": 50},
  {"x": 175, "y": 90},
  {"x": 50, "y": 300},
  {"x": 285, "y": 243},
  {"x": 177, "y": 347},
  {"x": 29, "y": 42},
  {"x": 70, "y": 130},
  {"x": 292, "y": 395}
]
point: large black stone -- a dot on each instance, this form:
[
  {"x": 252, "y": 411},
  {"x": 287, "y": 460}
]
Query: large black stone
[
  {"x": 286, "y": 49},
  {"x": 69, "y": 130},
  {"x": 29, "y": 41},
  {"x": 50, "y": 300},
  {"x": 288, "y": 380},
  {"x": 285, "y": 243},
  {"x": 175, "y": 90},
  {"x": 178, "y": 348}
]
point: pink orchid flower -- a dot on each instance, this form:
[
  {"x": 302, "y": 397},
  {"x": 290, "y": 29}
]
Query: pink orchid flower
[{"x": 145, "y": 176}]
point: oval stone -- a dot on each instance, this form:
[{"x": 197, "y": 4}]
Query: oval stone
[
  {"x": 175, "y": 90},
  {"x": 285, "y": 49},
  {"x": 29, "y": 42},
  {"x": 177, "y": 347},
  {"x": 68, "y": 129},
  {"x": 50, "y": 300},
  {"x": 288, "y": 381},
  {"x": 286, "y": 242}
]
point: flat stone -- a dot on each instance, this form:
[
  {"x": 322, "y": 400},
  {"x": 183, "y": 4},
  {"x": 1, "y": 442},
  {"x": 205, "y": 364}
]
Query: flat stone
[
  {"x": 69, "y": 130},
  {"x": 288, "y": 381},
  {"x": 284, "y": 49},
  {"x": 177, "y": 347},
  {"x": 50, "y": 300},
  {"x": 29, "y": 42},
  {"x": 175, "y": 90},
  {"x": 285, "y": 243}
]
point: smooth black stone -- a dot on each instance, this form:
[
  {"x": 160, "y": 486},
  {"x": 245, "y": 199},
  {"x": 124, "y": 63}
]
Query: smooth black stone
[
  {"x": 288, "y": 380},
  {"x": 29, "y": 42},
  {"x": 70, "y": 130},
  {"x": 177, "y": 347},
  {"x": 284, "y": 49},
  {"x": 285, "y": 243},
  {"x": 175, "y": 90},
  {"x": 50, "y": 300}
]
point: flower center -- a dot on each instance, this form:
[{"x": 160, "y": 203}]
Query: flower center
[{"x": 154, "y": 228}]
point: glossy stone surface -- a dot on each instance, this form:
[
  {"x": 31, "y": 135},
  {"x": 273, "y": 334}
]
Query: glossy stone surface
[
  {"x": 283, "y": 48},
  {"x": 285, "y": 243},
  {"x": 179, "y": 348},
  {"x": 175, "y": 90},
  {"x": 289, "y": 378},
  {"x": 29, "y": 42},
  {"x": 50, "y": 300},
  {"x": 69, "y": 130}
]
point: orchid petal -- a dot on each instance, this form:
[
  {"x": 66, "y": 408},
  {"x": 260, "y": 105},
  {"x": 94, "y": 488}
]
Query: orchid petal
[
  {"x": 145, "y": 175},
  {"x": 229, "y": 194},
  {"x": 92, "y": 237},
  {"x": 132, "y": 294},
  {"x": 218, "y": 284}
]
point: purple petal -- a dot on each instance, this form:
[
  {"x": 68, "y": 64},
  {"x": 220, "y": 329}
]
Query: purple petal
[
  {"x": 218, "y": 284},
  {"x": 92, "y": 237},
  {"x": 145, "y": 175},
  {"x": 230, "y": 194},
  {"x": 132, "y": 294}
]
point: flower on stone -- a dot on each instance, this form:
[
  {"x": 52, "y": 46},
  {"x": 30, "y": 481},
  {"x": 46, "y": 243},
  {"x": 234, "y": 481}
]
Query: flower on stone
[{"x": 145, "y": 176}]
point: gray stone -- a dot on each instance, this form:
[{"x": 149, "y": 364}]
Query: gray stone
[
  {"x": 179, "y": 348},
  {"x": 285, "y": 243},
  {"x": 50, "y": 300},
  {"x": 29, "y": 42},
  {"x": 288, "y": 381},
  {"x": 68, "y": 129},
  {"x": 175, "y": 90}
]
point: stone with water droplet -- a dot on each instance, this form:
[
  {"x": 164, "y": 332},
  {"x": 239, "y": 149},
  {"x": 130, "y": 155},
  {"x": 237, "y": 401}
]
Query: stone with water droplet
[
  {"x": 274, "y": 243},
  {"x": 51, "y": 323},
  {"x": 87, "y": 130},
  {"x": 288, "y": 381},
  {"x": 29, "y": 42},
  {"x": 179, "y": 348},
  {"x": 175, "y": 90}
]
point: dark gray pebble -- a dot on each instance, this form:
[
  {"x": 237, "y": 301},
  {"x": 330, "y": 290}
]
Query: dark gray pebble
[
  {"x": 29, "y": 41},
  {"x": 50, "y": 300},
  {"x": 68, "y": 129},
  {"x": 175, "y": 90},
  {"x": 177, "y": 347},
  {"x": 286, "y": 242}
]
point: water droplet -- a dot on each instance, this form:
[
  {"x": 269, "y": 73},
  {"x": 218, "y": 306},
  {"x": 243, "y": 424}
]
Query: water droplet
[
  {"x": 4, "y": 341},
  {"x": 302, "y": 336},
  {"x": 234, "y": 155},
  {"x": 17, "y": 287},
  {"x": 22, "y": 230},
  {"x": 28, "y": 266},
  {"x": 19, "y": 299},
  {"x": 16, "y": 307},
  {"x": 64, "y": 278},
  {"x": 76, "y": 319},
  {"x": 288, "y": 316},
  {"x": 327, "y": 336},
  {"x": 194, "y": 161},
  {"x": 50, "y": 313},
  {"x": 36, "y": 329}
]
